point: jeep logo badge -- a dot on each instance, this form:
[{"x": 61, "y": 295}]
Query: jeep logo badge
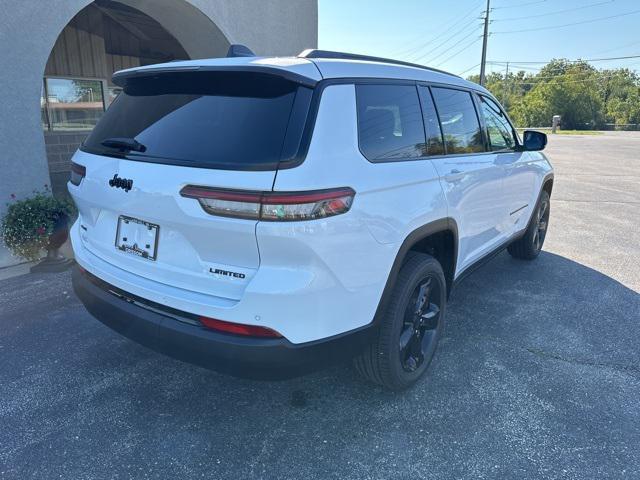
[{"x": 123, "y": 183}]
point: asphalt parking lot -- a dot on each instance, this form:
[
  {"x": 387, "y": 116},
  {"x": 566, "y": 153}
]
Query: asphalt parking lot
[{"x": 537, "y": 376}]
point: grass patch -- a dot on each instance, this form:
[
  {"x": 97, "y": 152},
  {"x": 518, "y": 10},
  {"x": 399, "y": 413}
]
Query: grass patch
[
  {"x": 578, "y": 132},
  {"x": 564, "y": 132}
]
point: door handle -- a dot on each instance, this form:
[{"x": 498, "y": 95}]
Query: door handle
[{"x": 454, "y": 175}]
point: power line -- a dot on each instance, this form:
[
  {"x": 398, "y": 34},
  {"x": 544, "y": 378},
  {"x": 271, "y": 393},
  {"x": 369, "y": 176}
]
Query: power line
[
  {"x": 618, "y": 48},
  {"x": 520, "y": 5},
  {"x": 460, "y": 51},
  {"x": 527, "y": 17},
  {"x": 597, "y": 76},
  {"x": 468, "y": 69},
  {"x": 593, "y": 20},
  {"x": 436, "y": 48},
  {"x": 579, "y": 60},
  {"x": 445, "y": 28},
  {"x": 433, "y": 59}
]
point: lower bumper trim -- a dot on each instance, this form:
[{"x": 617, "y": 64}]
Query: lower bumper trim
[{"x": 247, "y": 357}]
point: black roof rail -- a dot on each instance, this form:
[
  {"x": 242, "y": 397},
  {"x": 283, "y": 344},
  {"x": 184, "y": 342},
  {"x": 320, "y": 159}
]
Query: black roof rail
[
  {"x": 314, "y": 53},
  {"x": 237, "y": 50}
]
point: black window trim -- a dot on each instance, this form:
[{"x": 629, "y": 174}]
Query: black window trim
[
  {"x": 327, "y": 82},
  {"x": 423, "y": 90},
  {"x": 486, "y": 129},
  {"x": 296, "y": 159},
  {"x": 312, "y": 115},
  {"x": 474, "y": 101},
  {"x": 393, "y": 81},
  {"x": 407, "y": 83}
]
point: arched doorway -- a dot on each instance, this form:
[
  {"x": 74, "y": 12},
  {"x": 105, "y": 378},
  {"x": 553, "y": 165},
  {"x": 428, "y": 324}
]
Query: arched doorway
[{"x": 103, "y": 37}]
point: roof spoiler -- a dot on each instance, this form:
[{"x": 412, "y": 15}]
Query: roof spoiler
[
  {"x": 237, "y": 50},
  {"x": 122, "y": 77}
]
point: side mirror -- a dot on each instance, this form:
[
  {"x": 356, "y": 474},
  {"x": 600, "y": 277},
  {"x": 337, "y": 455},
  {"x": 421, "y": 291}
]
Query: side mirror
[{"x": 534, "y": 141}]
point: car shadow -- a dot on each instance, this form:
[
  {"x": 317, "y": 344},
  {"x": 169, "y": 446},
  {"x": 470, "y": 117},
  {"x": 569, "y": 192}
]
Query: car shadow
[
  {"x": 534, "y": 354},
  {"x": 552, "y": 307}
]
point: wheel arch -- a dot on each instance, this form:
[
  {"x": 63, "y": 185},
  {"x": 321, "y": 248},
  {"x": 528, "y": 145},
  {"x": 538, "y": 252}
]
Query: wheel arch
[
  {"x": 438, "y": 239},
  {"x": 547, "y": 184}
]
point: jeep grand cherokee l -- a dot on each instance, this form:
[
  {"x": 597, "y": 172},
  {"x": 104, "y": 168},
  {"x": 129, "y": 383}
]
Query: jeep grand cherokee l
[{"x": 266, "y": 216}]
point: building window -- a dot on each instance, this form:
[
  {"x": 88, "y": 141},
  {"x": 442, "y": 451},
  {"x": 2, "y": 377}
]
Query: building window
[{"x": 72, "y": 104}]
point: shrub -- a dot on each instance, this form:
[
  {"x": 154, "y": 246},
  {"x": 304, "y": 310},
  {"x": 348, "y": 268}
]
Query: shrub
[{"x": 29, "y": 223}]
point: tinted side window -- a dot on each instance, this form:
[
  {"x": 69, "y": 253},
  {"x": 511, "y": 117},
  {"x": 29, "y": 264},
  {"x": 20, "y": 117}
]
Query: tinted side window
[
  {"x": 389, "y": 122},
  {"x": 431, "y": 123},
  {"x": 462, "y": 133},
  {"x": 498, "y": 128}
]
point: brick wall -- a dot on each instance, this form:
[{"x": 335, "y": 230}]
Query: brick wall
[{"x": 60, "y": 148}]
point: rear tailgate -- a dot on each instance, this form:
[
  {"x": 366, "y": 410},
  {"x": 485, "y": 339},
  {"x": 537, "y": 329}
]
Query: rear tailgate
[
  {"x": 190, "y": 245},
  {"x": 224, "y": 130}
]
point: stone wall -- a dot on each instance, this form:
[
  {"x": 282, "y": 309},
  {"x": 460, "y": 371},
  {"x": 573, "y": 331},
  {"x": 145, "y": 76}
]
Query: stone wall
[{"x": 60, "y": 147}]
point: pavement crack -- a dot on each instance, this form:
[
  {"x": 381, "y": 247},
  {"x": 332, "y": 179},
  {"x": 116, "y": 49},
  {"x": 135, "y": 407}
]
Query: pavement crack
[{"x": 629, "y": 369}]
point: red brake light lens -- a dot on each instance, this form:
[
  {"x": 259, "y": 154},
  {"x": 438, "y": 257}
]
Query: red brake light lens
[
  {"x": 78, "y": 172},
  {"x": 272, "y": 206},
  {"x": 238, "y": 328}
]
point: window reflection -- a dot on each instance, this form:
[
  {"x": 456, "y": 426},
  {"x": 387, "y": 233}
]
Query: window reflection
[
  {"x": 73, "y": 104},
  {"x": 459, "y": 121},
  {"x": 390, "y": 125},
  {"x": 499, "y": 130}
]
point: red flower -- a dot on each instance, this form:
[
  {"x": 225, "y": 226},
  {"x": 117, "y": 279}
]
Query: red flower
[{"x": 41, "y": 230}]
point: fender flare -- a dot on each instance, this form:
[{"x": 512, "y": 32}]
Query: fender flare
[
  {"x": 548, "y": 177},
  {"x": 437, "y": 226}
]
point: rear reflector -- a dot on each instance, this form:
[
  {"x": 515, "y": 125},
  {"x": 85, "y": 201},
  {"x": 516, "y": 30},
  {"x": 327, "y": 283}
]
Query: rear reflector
[
  {"x": 238, "y": 328},
  {"x": 78, "y": 172},
  {"x": 272, "y": 206}
]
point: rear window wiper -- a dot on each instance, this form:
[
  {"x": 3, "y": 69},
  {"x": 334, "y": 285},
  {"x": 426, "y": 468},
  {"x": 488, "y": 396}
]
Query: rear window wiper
[{"x": 124, "y": 144}]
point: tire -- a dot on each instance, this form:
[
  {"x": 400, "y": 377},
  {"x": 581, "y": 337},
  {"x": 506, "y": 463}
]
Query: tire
[
  {"x": 420, "y": 286},
  {"x": 529, "y": 245}
]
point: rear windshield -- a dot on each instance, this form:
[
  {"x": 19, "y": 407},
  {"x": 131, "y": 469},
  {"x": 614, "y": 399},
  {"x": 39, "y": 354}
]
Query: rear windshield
[{"x": 226, "y": 120}]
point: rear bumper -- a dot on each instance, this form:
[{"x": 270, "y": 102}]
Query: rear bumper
[{"x": 239, "y": 356}]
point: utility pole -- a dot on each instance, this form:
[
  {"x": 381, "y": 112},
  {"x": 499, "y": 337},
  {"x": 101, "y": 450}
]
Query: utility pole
[{"x": 484, "y": 44}]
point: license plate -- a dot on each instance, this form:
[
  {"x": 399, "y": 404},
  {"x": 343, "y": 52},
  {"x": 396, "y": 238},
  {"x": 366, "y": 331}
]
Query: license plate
[{"x": 137, "y": 237}]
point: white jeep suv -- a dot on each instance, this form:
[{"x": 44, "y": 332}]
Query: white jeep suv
[{"x": 266, "y": 216}]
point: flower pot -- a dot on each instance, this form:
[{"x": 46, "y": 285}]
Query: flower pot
[
  {"x": 55, "y": 261},
  {"x": 60, "y": 233}
]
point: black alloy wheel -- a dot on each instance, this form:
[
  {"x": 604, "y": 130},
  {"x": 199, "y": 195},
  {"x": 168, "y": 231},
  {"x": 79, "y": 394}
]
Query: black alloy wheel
[
  {"x": 410, "y": 325},
  {"x": 528, "y": 246},
  {"x": 419, "y": 334}
]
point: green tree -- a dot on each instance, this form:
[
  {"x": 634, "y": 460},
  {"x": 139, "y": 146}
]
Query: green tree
[
  {"x": 568, "y": 89},
  {"x": 620, "y": 90},
  {"x": 584, "y": 96}
]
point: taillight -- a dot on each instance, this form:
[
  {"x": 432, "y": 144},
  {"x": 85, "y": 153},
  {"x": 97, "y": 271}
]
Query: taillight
[
  {"x": 238, "y": 328},
  {"x": 78, "y": 172},
  {"x": 272, "y": 206}
]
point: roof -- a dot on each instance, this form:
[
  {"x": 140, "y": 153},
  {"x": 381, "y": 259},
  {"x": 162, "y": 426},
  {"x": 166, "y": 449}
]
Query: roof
[{"x": 308, "y": 68}]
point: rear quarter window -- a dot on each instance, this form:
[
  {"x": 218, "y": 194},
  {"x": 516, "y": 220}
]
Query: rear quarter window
[
  {"x": 390, "y": 126},
  {"x": 225, "y": 120}
]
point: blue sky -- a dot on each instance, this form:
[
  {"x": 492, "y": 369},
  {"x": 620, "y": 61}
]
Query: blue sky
[{"x": 445, "y": 33}]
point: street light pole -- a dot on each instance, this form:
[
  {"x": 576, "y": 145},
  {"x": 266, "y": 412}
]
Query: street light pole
[{"x": 484, "y": 45}]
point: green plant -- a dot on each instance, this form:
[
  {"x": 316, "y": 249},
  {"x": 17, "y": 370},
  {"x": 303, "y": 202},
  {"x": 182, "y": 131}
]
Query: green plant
[{"x": 28, "y": 223}]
